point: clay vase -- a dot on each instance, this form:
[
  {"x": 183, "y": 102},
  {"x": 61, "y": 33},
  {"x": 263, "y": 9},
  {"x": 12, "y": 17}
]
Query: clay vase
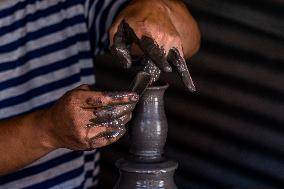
[
  {"x": 146, "y": 167},
  {"x": 148, "y": 131}
]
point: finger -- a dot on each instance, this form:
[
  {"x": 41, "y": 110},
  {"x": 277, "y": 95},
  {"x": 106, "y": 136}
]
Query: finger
[
  {"x": 155, "y": 53},
  {"x": 151, "y": 69},
  {"x": 102, "y": 99},
  {"x": 114, "y": 131},
  {"x": 120, "y": 122},
  {"x": 110, "y": 113},
  {"x": 113, "y": 124},
  {"x": 140, "y": 82},
  {"x": 149, "y": 47},
  {"x": 106, "y": 138},
  {"x": 121, "y": 45},
  {"x": 179, "y": 63}
]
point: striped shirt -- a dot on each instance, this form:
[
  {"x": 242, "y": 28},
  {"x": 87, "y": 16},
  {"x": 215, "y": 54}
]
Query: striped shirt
[{"x": 46, "y": 48}]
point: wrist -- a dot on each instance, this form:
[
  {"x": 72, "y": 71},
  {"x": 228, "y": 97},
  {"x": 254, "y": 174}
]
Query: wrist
[{"x": 42, "y": 124}]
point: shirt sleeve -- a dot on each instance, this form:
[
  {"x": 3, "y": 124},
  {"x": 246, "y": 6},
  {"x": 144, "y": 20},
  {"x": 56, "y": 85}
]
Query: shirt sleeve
[{"x": 100, "y": 14}]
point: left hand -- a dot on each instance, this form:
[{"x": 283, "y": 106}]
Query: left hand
[{"x": 170, "y": 27}]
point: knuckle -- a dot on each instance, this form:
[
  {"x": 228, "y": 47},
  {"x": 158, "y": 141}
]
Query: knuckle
[
  {"x": 72, "y": 96},
  {"x": 175, "y": 38},
  {"x": 147, "y": 22},
  {"x": 99, "y": 101}
]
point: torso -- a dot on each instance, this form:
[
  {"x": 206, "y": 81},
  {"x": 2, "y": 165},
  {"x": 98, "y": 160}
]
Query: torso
[{"x": 44, "y": 52}]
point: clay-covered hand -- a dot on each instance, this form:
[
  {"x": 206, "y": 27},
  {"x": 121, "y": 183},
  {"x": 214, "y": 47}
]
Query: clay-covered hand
[
  {"x": 163, "y": 29},
  {"x": 83, "y": 119}
]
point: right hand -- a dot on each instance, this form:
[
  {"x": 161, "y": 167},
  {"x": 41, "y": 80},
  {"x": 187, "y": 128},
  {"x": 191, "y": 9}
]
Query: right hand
[{"x": 83, "y": 119}]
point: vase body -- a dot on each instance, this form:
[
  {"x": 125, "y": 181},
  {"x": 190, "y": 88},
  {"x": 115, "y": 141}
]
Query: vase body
[
  {"x": 145, "y": 167},
  {"x": 148, "y": 131}
]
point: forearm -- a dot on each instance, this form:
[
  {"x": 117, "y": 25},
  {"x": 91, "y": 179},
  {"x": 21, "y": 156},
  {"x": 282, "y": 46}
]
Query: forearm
[{"x": 22, "y": 141}]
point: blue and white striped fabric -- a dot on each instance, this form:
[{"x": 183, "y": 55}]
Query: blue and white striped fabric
[{"x": 46, "y": 48}]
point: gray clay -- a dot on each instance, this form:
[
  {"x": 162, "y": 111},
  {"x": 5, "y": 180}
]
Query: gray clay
[{"x": 146, "y": 167}]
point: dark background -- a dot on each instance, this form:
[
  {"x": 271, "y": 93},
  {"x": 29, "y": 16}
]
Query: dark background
[{"x": 230, "y": 133}]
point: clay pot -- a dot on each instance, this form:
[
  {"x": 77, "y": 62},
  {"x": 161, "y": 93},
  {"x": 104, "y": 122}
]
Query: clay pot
[
  {"x": 145, "y": 167},
  {"x": 148, "y": 130}
]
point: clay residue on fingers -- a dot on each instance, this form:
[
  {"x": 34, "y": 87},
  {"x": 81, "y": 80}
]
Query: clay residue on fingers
[
  {"x": 114, "y": 130},
  {"x": 155, "y": 57},
  {"x": 106, "y": 138},
  {"x": 151, "y": 69},
  {"x": 123, "y": 39},
  {"x": 119, "y": 122},
  {"x": 111, "y": 98},
  {"x": 141, "y": 82},
  {"x": 111, "y": 112},
  {"x": 179, "y": 63},
  {"x": 156, "y": 53},
  {"x": 121, "y": 97},
  {"x": 121, "y": 45}
]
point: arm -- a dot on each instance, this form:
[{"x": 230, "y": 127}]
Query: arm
[
  {"x": 81, "y": 120},
  {"x": 22, "y": 141}
]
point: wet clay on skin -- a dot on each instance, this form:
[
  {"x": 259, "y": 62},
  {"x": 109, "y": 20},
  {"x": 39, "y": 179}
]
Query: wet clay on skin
[
  {"x": 106, "y": 138},
  {"x": 105, "y": 115},
  {"x": 116, "y": 130},
  {"x": 113, "y": 118},
  {"x": 178, "y": 61},
  {"x": 123, "y": 39},
  {"x": 174, "y": 58},
  {"x": 153, "y": 52},
  {"x": 120, "y": 96},
  {"x": 121, "y": 46},
  {"x": 154, "y": 61},
  {"x": 152, "y": 70},
  {"x": 117, "y": 122},
  {"x": 115, "y": 98}
]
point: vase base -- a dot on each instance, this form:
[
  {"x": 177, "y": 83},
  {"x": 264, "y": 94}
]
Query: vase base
[{"x": 134, "y": 175}]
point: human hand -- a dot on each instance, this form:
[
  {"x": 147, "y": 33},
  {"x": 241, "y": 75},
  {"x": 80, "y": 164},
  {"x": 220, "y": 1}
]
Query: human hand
[
  {"x": 163, "y": 29},
  {"x": 83, "y": 119}
]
